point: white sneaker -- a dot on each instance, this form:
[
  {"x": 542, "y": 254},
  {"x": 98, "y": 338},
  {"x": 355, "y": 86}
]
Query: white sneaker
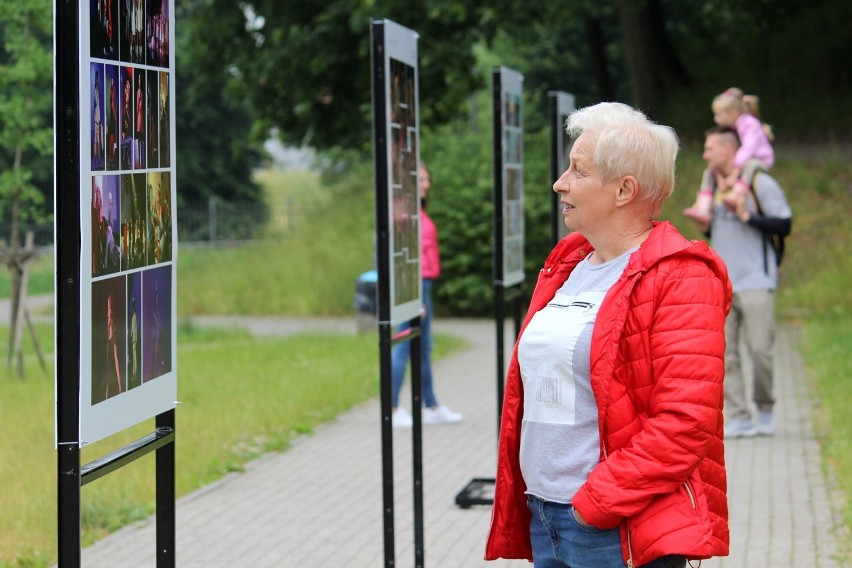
[
  {"x": 400, "y": 418},
  {"x": 441, "y": 415},
  {"x": 740, "y": 428},
  {"x": 765, "y": 423}
]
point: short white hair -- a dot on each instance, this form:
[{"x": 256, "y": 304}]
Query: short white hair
[{"x": 628, "y": 143}]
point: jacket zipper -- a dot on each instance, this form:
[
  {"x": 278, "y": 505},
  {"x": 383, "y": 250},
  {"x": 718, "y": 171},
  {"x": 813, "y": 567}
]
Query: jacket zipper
[
  {"x": 629, "y": 549},
  {"x": 691, "y": 495}
]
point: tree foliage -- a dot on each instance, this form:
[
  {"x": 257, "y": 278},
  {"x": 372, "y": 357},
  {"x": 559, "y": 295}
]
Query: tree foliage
[
  {"x": 26, "y": 136},
  {"x": 215, "y": 150},
  {"x": 304, "y": 66},
  {"x": 25, "y": 133}
]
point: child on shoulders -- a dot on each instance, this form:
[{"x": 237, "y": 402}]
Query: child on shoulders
[{"x": 734, "y": 109}]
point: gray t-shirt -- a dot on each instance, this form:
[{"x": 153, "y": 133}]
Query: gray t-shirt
[
  {"x": 741, "y": 246},
  {"x": 559, "y": 435}
]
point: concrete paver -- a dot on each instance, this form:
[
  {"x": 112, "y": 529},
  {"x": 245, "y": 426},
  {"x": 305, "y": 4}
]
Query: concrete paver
[{"x": 319, "y": 503}]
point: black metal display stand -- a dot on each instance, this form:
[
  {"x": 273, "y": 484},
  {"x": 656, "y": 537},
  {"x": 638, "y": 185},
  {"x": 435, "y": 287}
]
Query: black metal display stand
[
  {"x": 381, "y": 30},
  {"x": 561, "y": 105},
  {"x": 71, "y": 476},
  {"x": 480, "y": 490}
]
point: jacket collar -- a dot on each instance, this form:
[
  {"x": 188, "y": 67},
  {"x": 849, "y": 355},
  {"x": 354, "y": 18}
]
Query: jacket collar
[{"x": 663, "y": 241}]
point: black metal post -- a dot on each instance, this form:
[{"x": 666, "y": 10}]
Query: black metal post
[
  {"x": 561, "y": 106},
  {"x": 500, "y": 316},
  {"x": 417, "y": 440},
  {"x": 67, "y": 220},
  {"x": 377, "y": 39},
  {"x": 497, "y": 231},
  {"x": 165, "y": 470},
  {"x": 556, "y": 218},
  {"x": 518, "y": 312},
  {"x": 387, "y": 440}
]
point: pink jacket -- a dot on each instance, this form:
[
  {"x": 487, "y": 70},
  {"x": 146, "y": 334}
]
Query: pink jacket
[
  {"x": 657, "y": 365},
  {"x": 430, "y": 256},
  {"x": 753, "y": 142}
]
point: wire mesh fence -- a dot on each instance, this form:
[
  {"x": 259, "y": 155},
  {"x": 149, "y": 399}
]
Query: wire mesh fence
[
  {"x": 223, "y": 222},
  {"x": 218, "y": 222},
  {"x": 42, "y": 233}
]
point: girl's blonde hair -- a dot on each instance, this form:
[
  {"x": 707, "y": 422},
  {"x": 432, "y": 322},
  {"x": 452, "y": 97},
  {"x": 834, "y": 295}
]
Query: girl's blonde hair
[{"x": 734, "y": 98}]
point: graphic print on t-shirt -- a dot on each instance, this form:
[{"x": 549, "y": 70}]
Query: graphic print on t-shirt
[{"x": 548, "y": 356}]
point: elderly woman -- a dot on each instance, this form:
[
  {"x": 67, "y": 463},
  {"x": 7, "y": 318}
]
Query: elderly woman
[{"x": 611, "y": 436}]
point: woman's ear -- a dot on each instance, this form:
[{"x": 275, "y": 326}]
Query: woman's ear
[{"x": 628, "y": 190}]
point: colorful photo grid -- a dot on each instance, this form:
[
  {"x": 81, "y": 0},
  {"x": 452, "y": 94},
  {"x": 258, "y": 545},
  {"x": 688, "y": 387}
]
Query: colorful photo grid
[
  {"x": 405, "y": 201},
  {"x": 131, "y": 331},
  {"x": 131, "y": 288},
  {"x": 129, "y": 97},
  {"x": 131, "y": 195}
]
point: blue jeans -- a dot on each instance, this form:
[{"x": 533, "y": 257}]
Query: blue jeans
[
  {"x": 559, "y": 541},
  {"x": 401, "y": 357}
]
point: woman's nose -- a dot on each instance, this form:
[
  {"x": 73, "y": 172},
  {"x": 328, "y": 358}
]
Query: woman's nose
[{"x": 560, "y": 184}]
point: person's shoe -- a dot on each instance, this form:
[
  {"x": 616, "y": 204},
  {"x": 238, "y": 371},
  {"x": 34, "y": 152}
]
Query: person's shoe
[
  {"x": 765, "y": 423},
  {"x": 401, "y": 418},
  {"x": 740, "y": 428},
  {"x": 441, "y": 415}
]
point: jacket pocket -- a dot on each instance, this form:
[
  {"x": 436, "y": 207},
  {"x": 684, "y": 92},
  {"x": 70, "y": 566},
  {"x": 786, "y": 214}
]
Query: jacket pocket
[{"x": 674, "y": 523}]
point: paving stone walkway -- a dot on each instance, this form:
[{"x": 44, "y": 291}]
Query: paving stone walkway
[{"x": 319, "y": 503}]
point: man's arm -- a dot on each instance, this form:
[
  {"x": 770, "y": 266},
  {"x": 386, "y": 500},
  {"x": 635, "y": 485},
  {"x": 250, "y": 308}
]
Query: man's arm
[
  {"x": 763, "y": 223},
  {"x": 769, "y": 225}
]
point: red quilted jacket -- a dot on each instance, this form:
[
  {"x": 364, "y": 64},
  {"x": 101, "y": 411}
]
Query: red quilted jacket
[{"x": 657, "y": 365}]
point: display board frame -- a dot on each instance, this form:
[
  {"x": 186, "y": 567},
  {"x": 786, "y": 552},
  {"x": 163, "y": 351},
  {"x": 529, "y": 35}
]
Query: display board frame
[
  {"x": 402, "y": 155},
  {"x": 562, "y": 104},
  {"x": 128, "y": 249},
  {"x": 509, "y": 175},
  {"x": 396, "y": 159},
  {"x": 92, "y": 235}
]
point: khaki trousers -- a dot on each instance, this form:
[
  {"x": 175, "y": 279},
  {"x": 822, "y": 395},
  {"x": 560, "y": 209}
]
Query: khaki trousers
[{"x": 752, "y": 323}]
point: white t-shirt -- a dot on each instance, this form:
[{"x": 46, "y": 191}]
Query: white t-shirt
[{"x": 559, "y": 436}]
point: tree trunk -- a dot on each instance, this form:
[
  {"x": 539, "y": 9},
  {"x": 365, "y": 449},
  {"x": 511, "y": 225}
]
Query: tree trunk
[
  {"x": 640, "y": 53},
  {"x": 13, "y": 263},
  {"x": 673, "y": 69},
  {"x": 597, "y": 52},
  {"x": 21, "y": 302}
]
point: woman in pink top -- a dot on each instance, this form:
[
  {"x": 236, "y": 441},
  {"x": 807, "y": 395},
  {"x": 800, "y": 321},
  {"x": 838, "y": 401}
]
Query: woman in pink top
[
  {"x": 433, "y": 412},
  {"x": 736, "y": 110}
]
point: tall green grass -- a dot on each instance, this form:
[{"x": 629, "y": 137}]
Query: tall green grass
[{"x": 307, "y": 272}]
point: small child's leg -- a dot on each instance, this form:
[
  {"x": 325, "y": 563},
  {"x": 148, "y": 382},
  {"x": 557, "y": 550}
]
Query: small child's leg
[
  {"x": 704, "y": 200},
  {"x": 749, "y": 170},
  {"x": 702, "y": 209}
]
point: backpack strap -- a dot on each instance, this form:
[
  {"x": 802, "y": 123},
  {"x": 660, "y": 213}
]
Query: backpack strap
[{"x": 774, "y": 240}]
